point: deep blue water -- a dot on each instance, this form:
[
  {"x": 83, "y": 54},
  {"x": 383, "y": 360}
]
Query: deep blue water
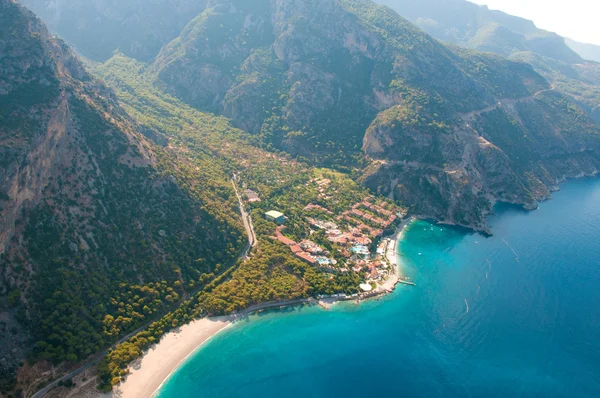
[{"x": 532, "y": 329}]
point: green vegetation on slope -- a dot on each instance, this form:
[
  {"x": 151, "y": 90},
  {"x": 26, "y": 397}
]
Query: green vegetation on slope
[
  {"x": 101, "y": 230},
  {"x": 139, "y": 227},
  {"x": 466, "y": 24},
  {"x": 273, "y": 273}
]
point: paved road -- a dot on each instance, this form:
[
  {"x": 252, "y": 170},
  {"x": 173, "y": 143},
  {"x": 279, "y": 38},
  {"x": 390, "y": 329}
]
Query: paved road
[
  {"x": 503, "y": 102},
  {"x": 247, "y": 220},
  {"x": 41, "y": 393},
  {"x": 258, "y": 307}
]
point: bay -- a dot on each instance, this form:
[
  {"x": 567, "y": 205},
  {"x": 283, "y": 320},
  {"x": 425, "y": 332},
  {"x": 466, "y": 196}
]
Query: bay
[{"x": 516, "y": 314}]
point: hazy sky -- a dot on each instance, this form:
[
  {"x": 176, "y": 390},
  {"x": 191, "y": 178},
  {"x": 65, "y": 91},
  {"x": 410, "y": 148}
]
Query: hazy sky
[{"x": 576, "y": 19}]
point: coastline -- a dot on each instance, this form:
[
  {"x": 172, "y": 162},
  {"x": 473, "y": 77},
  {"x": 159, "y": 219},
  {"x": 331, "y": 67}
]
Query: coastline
[
  {"x": 391, "y": 255},
  {"x": 392, "y": 252},
  {"x": 153, "y": 369},
  {"x": 393, "y": 304},
  {"x": 390, "y": 284},
  {"x": 149, "y": 373}
]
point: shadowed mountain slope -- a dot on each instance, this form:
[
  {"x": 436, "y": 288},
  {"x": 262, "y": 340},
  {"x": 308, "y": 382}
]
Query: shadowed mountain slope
[{"x": 100, "y": 227}]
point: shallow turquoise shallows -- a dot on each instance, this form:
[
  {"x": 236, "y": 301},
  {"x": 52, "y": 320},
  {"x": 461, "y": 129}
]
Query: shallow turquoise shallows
[{"x": 517, "y": 314}]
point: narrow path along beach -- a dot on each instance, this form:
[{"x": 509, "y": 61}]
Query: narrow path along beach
[
  {"x": 148, "y": 373},
  {"x": 153, "y": 369}
]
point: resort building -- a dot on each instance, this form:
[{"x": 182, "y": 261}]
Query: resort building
[
  {"x": 312, "y": 248},
  {"x": 366, "y": 287},
  {"x": 306, "y": 257},
  {"x": 298, "y": 249},
  {"x": 275, "y": 216},
  {"x": 252, "y": 196}
]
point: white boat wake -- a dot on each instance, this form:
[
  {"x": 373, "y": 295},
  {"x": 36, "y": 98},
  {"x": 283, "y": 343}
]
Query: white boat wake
[{"x": 513, "y": 250}]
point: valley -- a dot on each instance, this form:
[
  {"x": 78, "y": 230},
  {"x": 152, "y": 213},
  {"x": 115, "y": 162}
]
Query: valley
[{"x": 244, "y": 154}]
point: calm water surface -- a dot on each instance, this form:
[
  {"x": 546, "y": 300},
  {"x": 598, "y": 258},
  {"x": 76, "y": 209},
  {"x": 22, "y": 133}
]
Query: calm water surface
[{"x": 517, "y": 314}]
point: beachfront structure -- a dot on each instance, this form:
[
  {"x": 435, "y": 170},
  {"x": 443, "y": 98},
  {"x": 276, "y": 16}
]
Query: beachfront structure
[
  {"x": 366, "y": 287},
  {"x": 275, "y": 216}
]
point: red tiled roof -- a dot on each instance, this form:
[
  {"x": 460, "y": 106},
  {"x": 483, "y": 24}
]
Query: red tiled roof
[
  {"x": 306, "y": 257},
  {"x": 283, "y": 239}
]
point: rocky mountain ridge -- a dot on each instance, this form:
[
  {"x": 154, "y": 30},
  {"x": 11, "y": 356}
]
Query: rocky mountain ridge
[
  {"x": 358, "y": 75},
  {"x": 105, "y": 229},
  {"x": 91, "y": 210},
  {"x": 332, "y": 81},
  {"x": 473, "y": 26}
]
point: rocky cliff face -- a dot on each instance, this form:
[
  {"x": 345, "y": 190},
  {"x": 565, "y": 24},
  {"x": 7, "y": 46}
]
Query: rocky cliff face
[
  {"x": 445, "y": 128},
  {"x": 515, "y": 152},
  {"x": 346, "y": 82},
  {"x": 88, "y": 205},
  {"x": 245, "y": 60}
]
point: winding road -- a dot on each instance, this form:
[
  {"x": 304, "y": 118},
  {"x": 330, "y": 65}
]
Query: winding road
[
  {"x": 468, "y": 138},
  {"x": 502, "y": 102}
]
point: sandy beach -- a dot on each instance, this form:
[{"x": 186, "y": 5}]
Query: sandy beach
[
  {"x": 392, "y": 258},
  {"x": 149, "y": 372}
]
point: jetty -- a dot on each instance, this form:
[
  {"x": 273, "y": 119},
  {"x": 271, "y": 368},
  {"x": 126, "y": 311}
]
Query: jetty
[{"x": 407, "y": 283}]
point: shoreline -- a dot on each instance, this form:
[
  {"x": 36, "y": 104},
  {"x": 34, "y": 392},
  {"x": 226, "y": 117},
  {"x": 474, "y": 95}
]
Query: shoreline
[
  {"x": 401, "y": 262},
  {"x": 155, "y": 367},
  {"x": 150, "y": 372},
  {"x": 390, "y": 284},
  {"x": 391, "y": 255}
]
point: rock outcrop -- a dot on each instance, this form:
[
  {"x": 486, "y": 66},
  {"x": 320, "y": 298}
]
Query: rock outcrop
[
  {"x": 449, "y": 131},
  {"x": 88, "y": 205},
  {"x": 346, "y": 82}
]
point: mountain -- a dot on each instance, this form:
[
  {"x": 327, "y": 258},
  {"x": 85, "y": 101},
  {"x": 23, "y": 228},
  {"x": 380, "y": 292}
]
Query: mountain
[
  {"x": 447, "y": 130},
  {"x": 474, "y": 26},
  {"x": 97, "y": 28},
  {"x": 101, "y": 229},
  {"x": 466, "y": 24},
  {"x": 590, "y": 52},
  {"x": 118, "y": 202},
  {"x": 347, "y": 83}
]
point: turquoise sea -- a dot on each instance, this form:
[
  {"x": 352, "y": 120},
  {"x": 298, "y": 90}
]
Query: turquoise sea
[{"x": 532, "y": 328}]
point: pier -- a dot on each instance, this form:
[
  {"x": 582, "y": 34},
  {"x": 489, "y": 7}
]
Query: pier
[{"x": 407, "y": 283}]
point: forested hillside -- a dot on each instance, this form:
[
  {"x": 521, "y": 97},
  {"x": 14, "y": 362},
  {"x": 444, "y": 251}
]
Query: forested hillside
[
  {"x": 342, "y": 83},
  {"x": 101, "y": 230},
  {"x": 117, "y": 197},
  {"x": 466, "y": 24},
  {"x": 273, "y": 272},
  {"x": 360, "y": 80}
]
